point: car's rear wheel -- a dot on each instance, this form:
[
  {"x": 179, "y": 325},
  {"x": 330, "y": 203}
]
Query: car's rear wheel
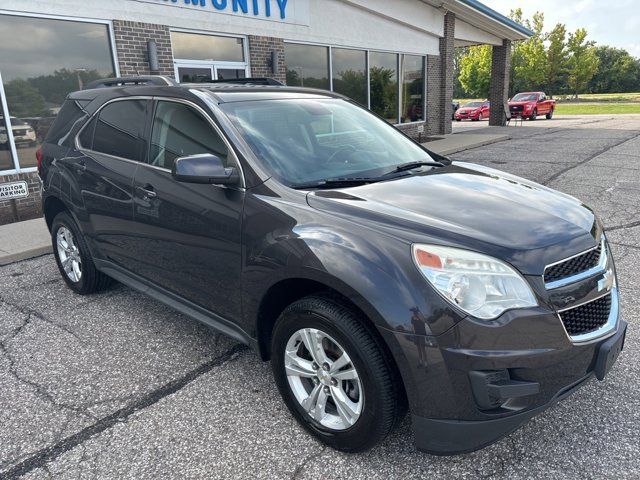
[
  {"x": 74, "y": 258},
  {"x": 333, "y": 375},
  {"x": 550, "y": 114}
]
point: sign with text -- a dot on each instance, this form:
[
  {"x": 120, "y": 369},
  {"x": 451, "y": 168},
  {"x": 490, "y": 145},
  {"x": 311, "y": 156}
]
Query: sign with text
[
  {"x": 13, "y": 190},
  {"x": 284, "y": 11}
]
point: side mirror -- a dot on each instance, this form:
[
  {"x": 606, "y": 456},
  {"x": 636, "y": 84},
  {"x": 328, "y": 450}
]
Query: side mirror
[{"x": 204, "y": 168}]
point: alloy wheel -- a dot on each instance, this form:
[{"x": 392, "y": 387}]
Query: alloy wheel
[
  {"x": 69, "y": 254},
  {"x": 323, "y": 379}
]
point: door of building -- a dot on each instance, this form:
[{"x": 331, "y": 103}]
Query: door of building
[{"x": 202, "y": 72}]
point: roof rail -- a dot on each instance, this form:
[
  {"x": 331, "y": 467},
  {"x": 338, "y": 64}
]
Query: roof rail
[
  {"x": 123, "y": 81},
  {"x": 248, "y": 81}
]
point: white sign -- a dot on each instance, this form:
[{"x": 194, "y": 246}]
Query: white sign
[
  {"x": 13, "y": 190},
  {"x": 283, "y": 11}
]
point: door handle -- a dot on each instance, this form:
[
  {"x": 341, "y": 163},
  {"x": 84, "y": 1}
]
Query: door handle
[{"x": 146, "y": 192}]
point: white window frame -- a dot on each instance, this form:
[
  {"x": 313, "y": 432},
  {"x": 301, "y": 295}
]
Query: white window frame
[
  {"x": 368, "y": 51},
  {"x": 116, "y": 67},
  {"x": 213, "y": 64}
]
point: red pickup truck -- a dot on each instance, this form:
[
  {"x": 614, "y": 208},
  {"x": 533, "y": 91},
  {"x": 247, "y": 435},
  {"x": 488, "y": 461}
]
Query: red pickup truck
[{"x": 531, "y": 104}]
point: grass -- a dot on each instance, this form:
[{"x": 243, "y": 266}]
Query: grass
[{"x": 584, "y": 108}]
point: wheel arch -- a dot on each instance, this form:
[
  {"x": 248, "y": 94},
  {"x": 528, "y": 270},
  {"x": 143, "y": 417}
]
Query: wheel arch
[
  {"x": 52, "y": 207},
  {"x": 286, "y": 291}
]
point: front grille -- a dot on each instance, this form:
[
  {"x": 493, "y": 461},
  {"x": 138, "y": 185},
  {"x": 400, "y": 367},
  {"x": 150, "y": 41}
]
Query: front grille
[
  {"x": 574, "y": 265},
  {"x": 588, "y": 317},
  {"x": 20, "y": 132},
  {"x": 517, "y": 108}
]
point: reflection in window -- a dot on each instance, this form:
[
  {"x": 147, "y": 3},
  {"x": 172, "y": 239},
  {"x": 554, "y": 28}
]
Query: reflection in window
[
  {"x": 120, "y": 129},
  {"x": 307, "y": 65},
  {"x": 350, "y": 74},
  {"x": 6, "y": 162},
  {"x": 179, "y": 131},
  {"x": 42, "y": 60},
  {"x": 383, "y": 74},
  {"x": 194, "y": 46},
  {"x": 412, "y": 70}
]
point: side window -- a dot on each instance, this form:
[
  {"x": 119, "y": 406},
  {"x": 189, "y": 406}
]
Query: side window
[
  {"x": 180, "y": 131},
  {"x": 119, "y": 130},
  {"x": 86, "y": 136},
  {"x": 542, "y": 99}
]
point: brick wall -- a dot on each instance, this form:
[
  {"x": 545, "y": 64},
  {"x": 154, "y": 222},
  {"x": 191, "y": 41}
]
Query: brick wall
[
  {"x": 260, "y": 49},
  {"x": 447, "y": 52},
  {"x": 434, "y": 124},
  {"x": 499, "y": 90},
  {"x": 131, "y": 45},
  {"x": 25, "y": 208}
]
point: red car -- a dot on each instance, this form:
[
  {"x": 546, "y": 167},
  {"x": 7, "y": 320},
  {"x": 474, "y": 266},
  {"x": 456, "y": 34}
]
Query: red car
[
  {"x": 531, "y": 104},
  {"x": 473, "y": 111}
]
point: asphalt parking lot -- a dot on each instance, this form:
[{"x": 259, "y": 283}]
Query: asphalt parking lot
[{"x": 117, "y": 385}]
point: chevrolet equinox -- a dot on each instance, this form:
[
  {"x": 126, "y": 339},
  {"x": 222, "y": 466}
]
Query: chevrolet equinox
[{"x": 375, "y": 275}]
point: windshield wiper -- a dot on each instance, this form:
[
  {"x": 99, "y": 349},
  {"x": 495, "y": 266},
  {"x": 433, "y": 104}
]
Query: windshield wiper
[
  {"x": 334, "y": 182},
  {"x": 411, "y": 165}
]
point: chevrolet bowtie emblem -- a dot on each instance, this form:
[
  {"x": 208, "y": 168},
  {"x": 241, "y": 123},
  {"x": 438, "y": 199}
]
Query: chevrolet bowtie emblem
[{"x": 607, "y": 281}]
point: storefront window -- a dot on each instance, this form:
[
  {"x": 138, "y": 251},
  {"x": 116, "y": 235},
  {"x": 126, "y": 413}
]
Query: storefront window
[
  {"x": 350, "y": 73},
  {"x": 412, "y": 70},
  {"x": 383, "y": 75},
  {"x": 41, "y": 61},
  {"x": 194, "y": 46},
  {"x": 6, "y": 162},
  {"x": 307, "y": 65}
]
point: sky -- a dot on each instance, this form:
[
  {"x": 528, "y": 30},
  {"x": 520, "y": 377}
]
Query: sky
[{"x": 609, "y": 22}]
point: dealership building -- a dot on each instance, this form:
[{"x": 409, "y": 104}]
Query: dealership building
[{"x": 395, "y": 57}]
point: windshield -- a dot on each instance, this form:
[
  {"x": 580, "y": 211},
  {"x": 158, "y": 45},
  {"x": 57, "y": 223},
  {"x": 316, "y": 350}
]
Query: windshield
[
  {"x": 525, "y": 97},
  {"x": 308, "y": 140},
  {"x": 473, "y": 105}
]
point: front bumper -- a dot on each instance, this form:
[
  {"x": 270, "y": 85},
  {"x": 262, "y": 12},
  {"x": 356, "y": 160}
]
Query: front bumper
[{"x": 541, "y": 366}]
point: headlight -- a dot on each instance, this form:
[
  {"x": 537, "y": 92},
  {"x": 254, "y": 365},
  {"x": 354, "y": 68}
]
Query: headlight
[{"x": 480, "y": 285}]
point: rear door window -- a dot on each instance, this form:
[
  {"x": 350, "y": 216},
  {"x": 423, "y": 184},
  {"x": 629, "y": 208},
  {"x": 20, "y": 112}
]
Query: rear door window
[{"x": 119, "y": 130}]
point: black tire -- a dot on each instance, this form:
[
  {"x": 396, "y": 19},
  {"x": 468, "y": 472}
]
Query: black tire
[
  {"x": 550, "y": 114},
  {"x": 458, "y": 119},
  {"x": 383, "y": 401},
  {"x": 534, "y": 115},
  {"x": 91, "y": 280}
]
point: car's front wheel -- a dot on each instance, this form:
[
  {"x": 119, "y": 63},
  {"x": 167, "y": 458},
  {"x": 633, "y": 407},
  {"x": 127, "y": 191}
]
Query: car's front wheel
[
  {"x": 333, "y": 375},
  {"x": 550, "y": 114},
  {"x": 74, "y": 258}
]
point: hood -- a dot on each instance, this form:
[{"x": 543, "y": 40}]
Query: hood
[{"x": 473, "y": 207}]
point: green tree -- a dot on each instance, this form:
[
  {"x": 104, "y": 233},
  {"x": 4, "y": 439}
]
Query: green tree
[
  {"x": 583, "y": 62},
  {"x": 384, "y": 92},
  {"x": 475, "y": 71},
  {"x": 617, "y": 71},
  {"x": 557, "y": 58},
  {"x": 530, "y": 56},
  {"x": 24, "y": 100}
]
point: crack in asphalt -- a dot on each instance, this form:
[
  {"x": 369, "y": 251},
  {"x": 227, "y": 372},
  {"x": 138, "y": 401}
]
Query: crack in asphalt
[
  {"x": 300, "y": 468},
  {"x": 623, "y": 226},
  {"x": 46, "y": 455},
  {"x": 589, "y": 158}
]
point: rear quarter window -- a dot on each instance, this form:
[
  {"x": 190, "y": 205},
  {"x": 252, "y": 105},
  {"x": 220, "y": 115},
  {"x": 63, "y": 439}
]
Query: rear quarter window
[{"x": 69, "y": 119}]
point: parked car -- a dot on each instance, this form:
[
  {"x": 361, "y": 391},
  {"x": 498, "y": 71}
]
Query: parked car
[
  {"x": 374, "y": 274},
  {"x": 531, "y": 105},
  {"x": 454, "y": 108},
  {"x": 473, "y": 111},
  {"x": 23, "y": 133}
]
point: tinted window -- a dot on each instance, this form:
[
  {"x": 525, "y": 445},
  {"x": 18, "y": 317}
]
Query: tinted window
[
  {"x": 42, "y": 60},
  {"x": 120, "y": 129},
  {"x": 68, "y": 117},
  {"x": 194, "y": 46},
  {"x": 350, "y": 74},
  {"x": 307, "y": 65},
  {"x": 180, "y": 131},
  {"x": 412, "y": 69},
  {"x": 383, "y": 72}
]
